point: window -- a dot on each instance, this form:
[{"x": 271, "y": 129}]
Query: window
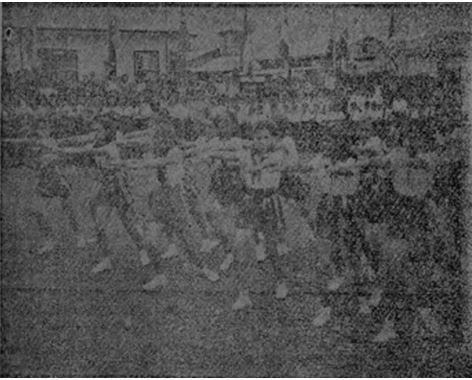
[
  {"x": 146, "y": 62},
  {"x": 59, "y": 64}
]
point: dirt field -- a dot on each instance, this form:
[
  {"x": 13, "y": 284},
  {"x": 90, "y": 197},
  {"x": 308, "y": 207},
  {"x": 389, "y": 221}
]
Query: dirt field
[{"x": 60, "y": 320}]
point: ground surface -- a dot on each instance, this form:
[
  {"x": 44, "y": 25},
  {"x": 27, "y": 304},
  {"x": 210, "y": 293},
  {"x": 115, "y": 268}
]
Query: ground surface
[{"x": 60, "y": 320}]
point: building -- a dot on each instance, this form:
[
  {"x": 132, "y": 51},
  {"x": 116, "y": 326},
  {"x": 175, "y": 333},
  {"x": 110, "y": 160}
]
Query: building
[
  {"x": 232, "y": 42},
  {"x": 222, "y": 59},
  {"x": 72, "y": 43},
  {"x": 368, "y": 55},
  {"x": 432, "y": 54}
]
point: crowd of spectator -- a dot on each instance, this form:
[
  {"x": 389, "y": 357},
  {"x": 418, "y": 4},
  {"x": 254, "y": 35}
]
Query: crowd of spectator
[{"x": 69, "y": 108}]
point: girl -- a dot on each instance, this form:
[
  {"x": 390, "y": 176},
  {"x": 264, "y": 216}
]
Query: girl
[
  {"x": 261, "y": 168},
  {"x": 103, "y": 156},
  {"x": 173, "y": 206},
  {"x": 52, "y": 185}
]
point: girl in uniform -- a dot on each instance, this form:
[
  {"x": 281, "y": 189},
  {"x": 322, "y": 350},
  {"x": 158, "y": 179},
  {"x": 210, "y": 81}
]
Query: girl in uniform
[
  {"x": 103, "y": 156},
  {"x": 261, "y": 168},
  {"x": 173, "y": 205},
  {"x": 52, "y": 185}
]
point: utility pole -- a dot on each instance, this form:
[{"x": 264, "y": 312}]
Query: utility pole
[
  {"x": 110, "y": 64},
  {"x": 284, "y": 47},
  {"x": 183, "y": 41},
  {"x": 31, "y": 37},
  {"x": 333, "y": 25},
  {"x": 166, "y": 41},
  {"x": 243, "y": 42},
  {"x": 391, "y": 28}
]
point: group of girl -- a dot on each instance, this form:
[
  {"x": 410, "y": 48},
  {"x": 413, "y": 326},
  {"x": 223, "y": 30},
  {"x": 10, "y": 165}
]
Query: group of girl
[{"x": 221, "y": 190}]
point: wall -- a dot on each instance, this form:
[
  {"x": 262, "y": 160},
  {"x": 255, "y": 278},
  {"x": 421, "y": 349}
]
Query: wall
[
  {"x": 91, "y": 46},
  {"x": 310, "y": 26},
  {"x": 16, "y": 49},
  {"x": 85, "y": 29},
  {"x": 130, "y": 42}
]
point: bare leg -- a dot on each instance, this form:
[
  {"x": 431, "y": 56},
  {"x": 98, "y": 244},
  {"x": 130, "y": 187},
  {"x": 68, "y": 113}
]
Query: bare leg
[
  {"x": 41, "y": 217},
  {"x": 67, "y": 207},
  {"x": 101, "y": 215}
]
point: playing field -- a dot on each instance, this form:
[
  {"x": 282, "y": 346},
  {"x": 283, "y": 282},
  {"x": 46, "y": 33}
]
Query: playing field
[{"x": 60, "y": 320}]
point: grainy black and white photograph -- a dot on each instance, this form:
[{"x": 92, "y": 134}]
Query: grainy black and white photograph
[{"x": 235, "y": 190}]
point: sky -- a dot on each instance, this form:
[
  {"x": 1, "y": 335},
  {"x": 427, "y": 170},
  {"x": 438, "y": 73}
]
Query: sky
[{"x": 309, "y": 26}]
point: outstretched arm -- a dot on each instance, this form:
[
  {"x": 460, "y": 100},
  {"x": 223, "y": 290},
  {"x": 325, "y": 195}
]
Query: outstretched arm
[
  {"x": 226, "y": 155},
  {"x": 78, "y": 139},
  {"x": 149, "y": 163},
  {"x": 51, "y": 141},
  {"x": 82, "y": 150},
  {"x": 143, "y": 136},
  {"x": 44, "y": 142}
]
